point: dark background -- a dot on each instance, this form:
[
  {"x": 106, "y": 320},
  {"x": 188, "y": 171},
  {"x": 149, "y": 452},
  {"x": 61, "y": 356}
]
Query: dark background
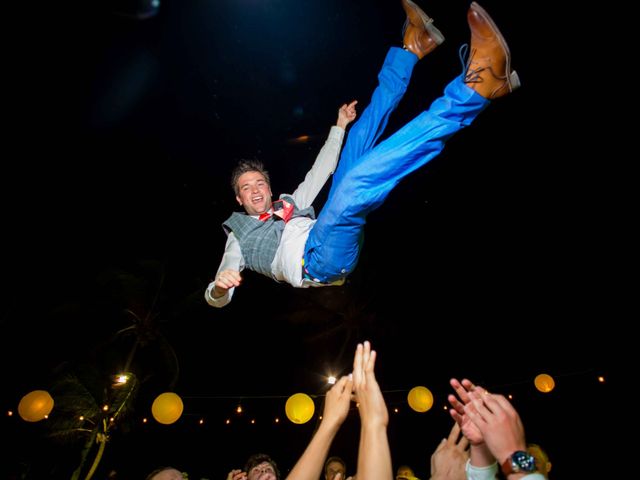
[{"x": 124, "y": 124}]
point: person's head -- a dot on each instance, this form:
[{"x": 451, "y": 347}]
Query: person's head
[
  {"x": 165, "y": 473},
  {"x": 405, "y": 472},
  {"x": 261, "y": 467},
  {"x": 333, "y": 466},
  {"x": 543, "y": 465},
  {"x": 251, "y": 184}
]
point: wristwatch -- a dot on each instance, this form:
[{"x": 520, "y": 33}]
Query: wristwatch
[{"x": 519, "y": 462}]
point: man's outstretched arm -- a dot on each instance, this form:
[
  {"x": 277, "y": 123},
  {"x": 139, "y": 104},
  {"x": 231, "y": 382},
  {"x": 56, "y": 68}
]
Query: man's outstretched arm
[
  {"x": 220, "y": 291},
  {"x": 327, "y": 160}
]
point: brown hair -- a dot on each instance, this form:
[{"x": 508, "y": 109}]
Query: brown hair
[
  {"x": 258, "y": 458},
  {"x": 245, "y": 166}
]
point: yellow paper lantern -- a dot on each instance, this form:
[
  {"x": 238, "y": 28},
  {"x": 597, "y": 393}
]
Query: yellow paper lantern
[
  {"x": 544, "y": 383},
  {"x": 167, "y": 408},
  {"x": 420, "y": 399},
  {"x": 299, "y": 408},
  {"x": 35, "y": 406}
]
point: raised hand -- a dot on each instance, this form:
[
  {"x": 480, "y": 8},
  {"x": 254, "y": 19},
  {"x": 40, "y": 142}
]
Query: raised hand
[
  {"x": 372, "y": 408},
  {"x": 237, "y": 474},
  {"x": 346, "y": 114},
  {"x": 374, "y": 456},
  {"x": 338, "y": 401},
  {"x": 449, "y": 459},
  {"x": 498, "y": 422},
  {"x": 469, "y": 429}
]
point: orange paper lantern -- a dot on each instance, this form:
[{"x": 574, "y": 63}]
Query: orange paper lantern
[
  {"x": 167, "y": 408},
  {"x": 544, "y": 383},
  {"x": 420, "y": 399},
  {"x": 35, "y": 406}
]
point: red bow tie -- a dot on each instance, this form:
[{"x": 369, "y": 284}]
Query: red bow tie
[{"x": 279, "y": 208}]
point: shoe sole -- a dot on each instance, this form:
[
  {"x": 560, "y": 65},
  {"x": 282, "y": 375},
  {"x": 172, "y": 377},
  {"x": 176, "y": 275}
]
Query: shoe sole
[
  {"x": 513, "y": 80},
  {"x": 427, "y": 21}
]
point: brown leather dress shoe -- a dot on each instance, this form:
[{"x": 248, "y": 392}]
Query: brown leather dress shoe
[
  {"x": 420, "y": 36},
  {"x": 489, "y": 65}
]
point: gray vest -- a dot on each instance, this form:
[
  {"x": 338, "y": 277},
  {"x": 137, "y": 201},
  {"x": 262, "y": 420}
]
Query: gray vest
[{"x": 259, "y": 240}]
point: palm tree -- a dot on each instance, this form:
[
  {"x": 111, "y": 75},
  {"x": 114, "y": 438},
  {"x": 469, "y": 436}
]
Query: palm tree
[
  {"x": 91, "y": 402},
  {"x": 85, "y": 409}
]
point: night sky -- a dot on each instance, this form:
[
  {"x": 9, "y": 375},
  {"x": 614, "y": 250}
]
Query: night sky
[{"x": 125, "y": 123}]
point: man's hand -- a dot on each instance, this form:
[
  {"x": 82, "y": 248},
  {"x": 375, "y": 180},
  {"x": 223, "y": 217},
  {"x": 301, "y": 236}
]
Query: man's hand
[
  {"x": 450, "y": 458},
  {"x": 346, "y": 114},
  {"x": 498, "y": 421},
  {"x": 469, "y": 429},
  {"x": 237, "y": 474},
  {"x": 226, "y": 280},
  {"x": 337, "y": 403}
]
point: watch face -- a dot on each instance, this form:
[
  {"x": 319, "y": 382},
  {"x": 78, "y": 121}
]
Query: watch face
[{"x": 523, "y": 462}]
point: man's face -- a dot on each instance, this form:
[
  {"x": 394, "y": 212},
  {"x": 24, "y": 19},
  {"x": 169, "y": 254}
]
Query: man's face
[
  {"x": 333, "y": 469},
  {"x": 264, "y": 471},
  {"x": 254, "y": 193}
]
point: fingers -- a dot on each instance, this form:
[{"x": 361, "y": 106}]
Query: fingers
[
  {"x": 456, "y": 416},
  {"x": 456, "y": 404},
  {"x": 236, "y": 474},
  {"x": 503, "y": 403},
  {"x": 463, "y": 444},
  {"x": 369, "y": 358},
  {"x": 454, "y": 434},
  {"x": 228, "y": 279},
  {"x": 461, "y": 389},
  {"x": 478, "y": 407},
  {"x": 344, "y": 388},
  {"x": 357, "y": 365},
  {"x": 366, "y": 354},
  {"x": 468, "y": 385}
]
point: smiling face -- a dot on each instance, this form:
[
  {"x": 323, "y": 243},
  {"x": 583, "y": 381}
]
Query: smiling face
[{"x": 254, "y": 193}]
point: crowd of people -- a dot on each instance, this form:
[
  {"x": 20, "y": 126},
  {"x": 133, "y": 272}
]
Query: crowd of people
[{"x": 486, "y": 439}]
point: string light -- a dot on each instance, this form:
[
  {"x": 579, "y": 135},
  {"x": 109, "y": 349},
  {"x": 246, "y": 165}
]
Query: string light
[{"x": 547, "y": 385}]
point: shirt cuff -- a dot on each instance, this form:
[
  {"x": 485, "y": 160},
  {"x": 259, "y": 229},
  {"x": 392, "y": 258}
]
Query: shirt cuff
[
  {"x": 481, "y": 473},
  {"x": 216, "y": 302}
]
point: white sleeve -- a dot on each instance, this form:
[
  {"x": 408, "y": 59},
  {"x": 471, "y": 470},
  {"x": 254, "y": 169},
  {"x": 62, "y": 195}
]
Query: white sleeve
[
  {"x": 231, "y": 260},
  {"x": 489, "y": 473},
  {"x": 481, "y": 473},
  {"x": 324, "y": 165}
]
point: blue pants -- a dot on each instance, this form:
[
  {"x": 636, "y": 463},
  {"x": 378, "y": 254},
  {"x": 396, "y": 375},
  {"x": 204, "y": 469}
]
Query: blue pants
[{"x": 367, "y": 172}]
